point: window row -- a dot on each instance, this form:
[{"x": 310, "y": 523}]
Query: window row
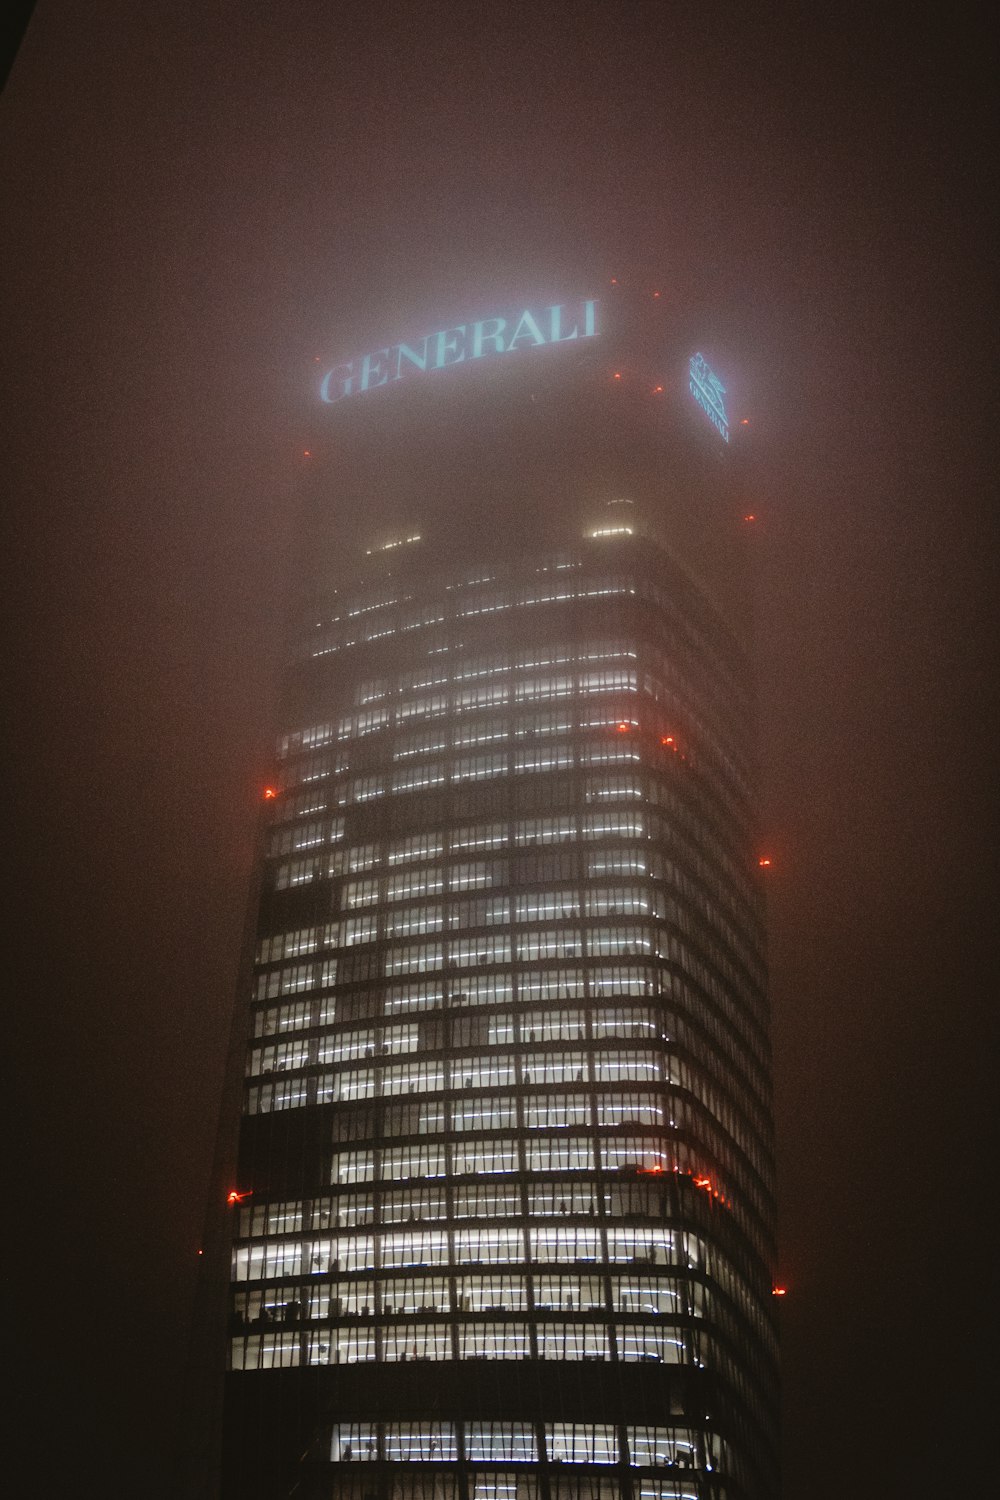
[
  {"x": 566, "y": 1481},
  {"x": 487, "y": 1199},
  {"x": 507, "y": 1442},
  {"x": 486, "y": 1292},
  {"x": 441, "y": 692},
  {"x": 483, "y": 1243},
  {"x": 460, "y": 842},
  {"x": 525, "y": 832},
  {"x": 484, "y": 1069},
  {"x": 538, "y": 727},
  {"x": 465, "y": 916},
  {"x": 439, "y": 1116},
  {"x": 462, "y": 1340},
  {"x": 638, "y": 1154},
  {"x": 344, "y": 633},
  {"x": 549, "y": 986},
  {"x": 724, "y": 1019},
  {"x": 479, "y": 1027}
]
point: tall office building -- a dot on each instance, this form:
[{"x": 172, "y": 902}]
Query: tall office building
[{"x": 502, "y": 1221}]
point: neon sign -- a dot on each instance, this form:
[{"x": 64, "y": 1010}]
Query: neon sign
[
  {"x": 559, "y": 324},
  {"x": 708, "y": 390}
]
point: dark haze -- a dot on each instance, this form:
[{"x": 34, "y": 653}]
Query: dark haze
[{"x": 202, "y": 199}]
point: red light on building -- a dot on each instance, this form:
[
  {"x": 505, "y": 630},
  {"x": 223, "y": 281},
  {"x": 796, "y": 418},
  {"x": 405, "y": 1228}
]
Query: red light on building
[
  {"x": 779, "y": 1291},
  {"x": 624, "y": 728},
  {"x": 306, "y": 453},
  {"x": 270, "y": 792},
  {"x": 233, "y": 1196},
  {"x": 750, "y": 517},
  {"x": 657, "y": 390},
  {"x": 744, "y": 421},
  {"x": 614, "y": 281},
  {"x": 764, "y": 863},
  {"x": 667, "y": 739},
  {"x": 656, "y": 294},
  {"x": 618, "y": 374}
]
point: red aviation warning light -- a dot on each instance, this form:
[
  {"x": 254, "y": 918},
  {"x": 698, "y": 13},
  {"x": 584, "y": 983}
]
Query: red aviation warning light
[
  {"x": 764, "y": 863},
  {"x": 750, "y": 517},
  {"x": 779, "y": 1291},
  {"x": 623, "y": 727},
  {"x": 233, "y": 1196},
  {"x": 270, "y": 792}
]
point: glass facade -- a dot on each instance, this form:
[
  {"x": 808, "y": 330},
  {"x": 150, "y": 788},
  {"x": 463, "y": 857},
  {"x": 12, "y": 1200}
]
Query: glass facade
[{"x": 505, "y": 1223}]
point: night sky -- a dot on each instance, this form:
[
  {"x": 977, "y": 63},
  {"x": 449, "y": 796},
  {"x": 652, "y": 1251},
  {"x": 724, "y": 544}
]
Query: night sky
[{"x": 202, "y": 198}]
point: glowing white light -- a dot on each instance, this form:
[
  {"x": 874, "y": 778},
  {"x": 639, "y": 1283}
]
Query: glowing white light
[{"x": 403, "y": 541}]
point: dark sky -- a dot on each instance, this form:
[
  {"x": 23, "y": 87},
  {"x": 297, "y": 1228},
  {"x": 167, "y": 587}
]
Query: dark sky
[{"x": 199, "y": 199}]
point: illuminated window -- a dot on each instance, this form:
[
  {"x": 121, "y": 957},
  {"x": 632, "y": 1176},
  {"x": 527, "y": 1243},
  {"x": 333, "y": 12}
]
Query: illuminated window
[
  {"x": 280, "y": 1057},
  {"x": 482, "y": 1340},
  {"x": 267, "y": 1351},
  {"x": 560, "y": 1154},
  {"x": 499, "y": 1442},
  {"x": 545, "y": 830},
  {"x": 491, "y": 1200},
  {"x": 566, "y": 1341},
  {"x": 414, "y": 957},
  {"x": 485, "y": 836},
  {"x": 483, "y": 1114},
  {"x": 416, "y": 1442},
  {"x": 416, "y": 1341},
  {"x": 352, "y": 1166},
  {"x": 278, "y": 1019},
  {"x": 478, "y": 767},
  {"x": 650, "y": 1446},
  {"x": 488, "y": 948},
  {"x": 629, "y": 1109},
  {"x": 581, "y": 1443},
  {"x": 489, "y": 1244},
  {"x": 555, "y": 1067},
  {"x": 417, "y": 777},
  {"x": 414, "y": 1294},
  {"x": 414, "y": 920},
  {"x": 471, "y": 1157},
  {"x": 491, "y": 1291}
]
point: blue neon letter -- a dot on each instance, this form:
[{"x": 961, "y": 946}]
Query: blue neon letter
[
  {"x": 480, "y": 337},
  {"x": 556, "y": 335},
  {"x": 403, "y": 351},
  {"x": 374, "y": 370},
  {"x": 446, "y": 342},
  {"x": 531, "y": 331},
  {"x": 344, "y": 378}
]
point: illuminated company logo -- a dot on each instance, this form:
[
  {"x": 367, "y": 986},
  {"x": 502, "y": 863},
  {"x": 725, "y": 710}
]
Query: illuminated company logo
[
  {"x": 708, "y": 390},
  {"x": 559, "y": 324}
]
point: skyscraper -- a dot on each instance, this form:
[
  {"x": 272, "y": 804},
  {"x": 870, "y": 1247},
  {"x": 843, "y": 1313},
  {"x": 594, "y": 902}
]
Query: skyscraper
[{"x": 502, "y": 1222}]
